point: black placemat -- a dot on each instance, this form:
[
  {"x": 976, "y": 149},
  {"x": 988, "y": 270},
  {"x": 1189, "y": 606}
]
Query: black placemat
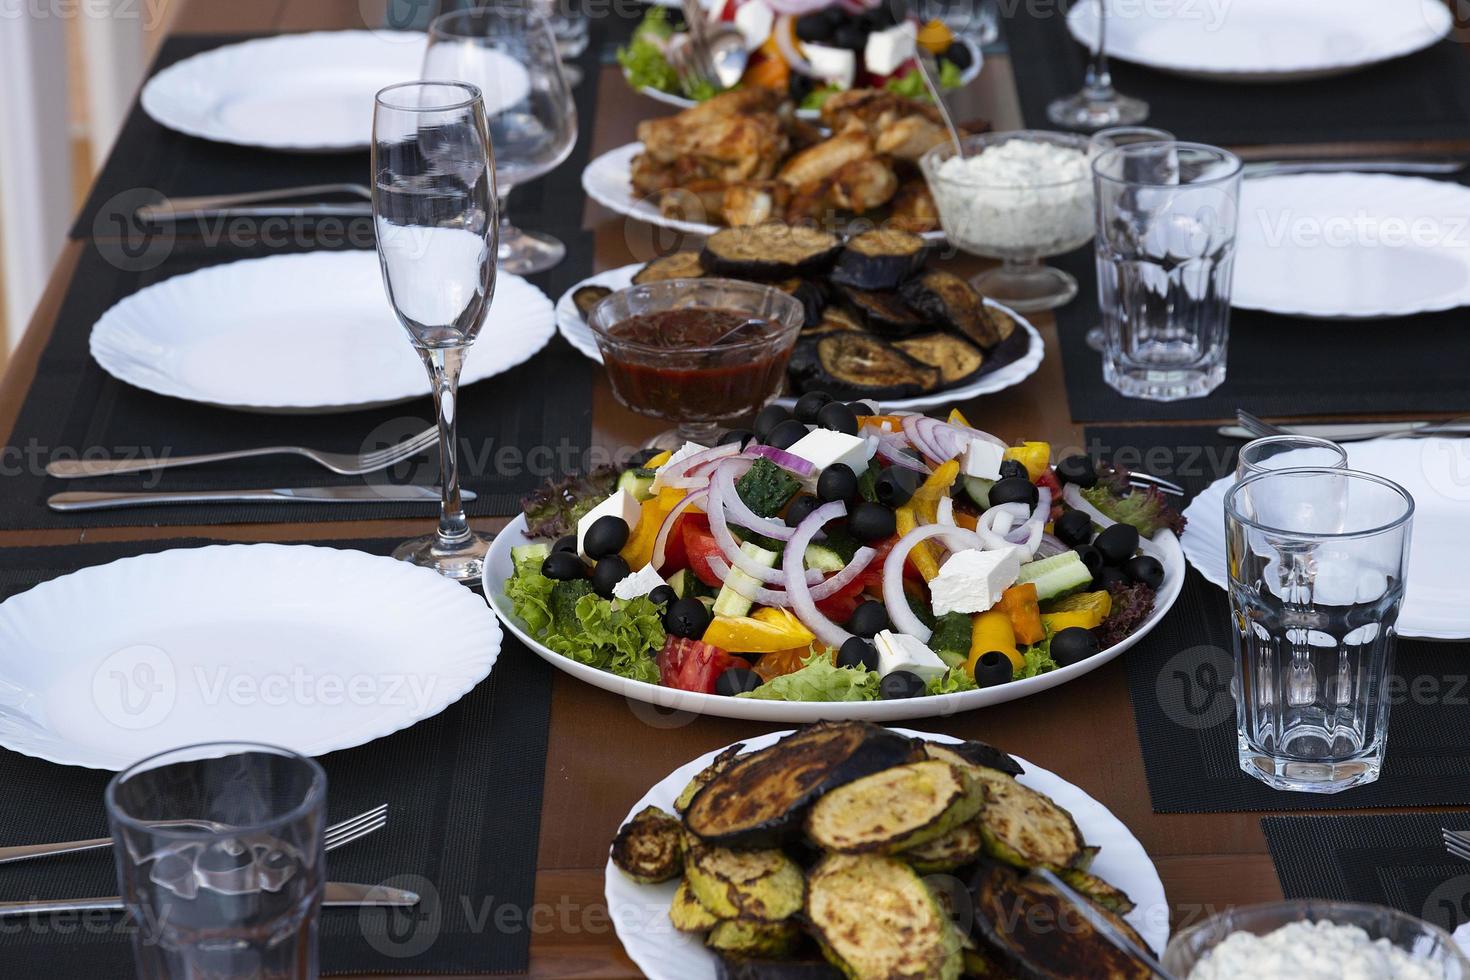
[
  {"x": 1281, "y": 366},
  {"x": 1423, "y": 96},
  {"x": 1395, "y": 860},
  {"x": 464, "y": 795},
  {"x": 1179, "y": 676}
]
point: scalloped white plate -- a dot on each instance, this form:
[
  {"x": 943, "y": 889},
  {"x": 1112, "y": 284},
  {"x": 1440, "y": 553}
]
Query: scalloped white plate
[
  {"x": 1352, "y": 246},
  {"x": 314, "y": 649},
  {"x": 301, "y": 333},
  {"x": 580, "y": 336},
  {"x": 498, "y": 567},
  {"x": 304, "y": 93},
  {"x": 1263, "y": 40},
  {"x": 1436, "y": 472},
  {"x": 640, "y": 913}
]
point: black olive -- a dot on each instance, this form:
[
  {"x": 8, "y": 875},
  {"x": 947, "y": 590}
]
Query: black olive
[
  {"x": 1145, "y": 570},
  {"x": 1117, "y": 543},
  {"x": 863, "y": 408},
  {"x": 857, "y": 652},
  {"x": 835, "y": 14},
  {"x": 800, "y": 87},
  {"x": 687, "y": 618},
  {"x": 959, "y": 55},
  {"x": 1014, "y": 467},
  {"x": 881, "y": 17},
  {"x": 567, "y": 542},
  {"x": 1073, "y": 528},
  {"x": 642, "y": 456},
  {"x": 786, "y": 434},
  {"x": 1073, "y": 645},
  {"x": 838, "y": 417},
  {"x": 993, "y": 668},
  {"x": 813, "y": 29},
  {"x": 737, "y": 680},
  {"x": 663, "y": 595},
  {"x": 869, "y": 619},
  {"x": 1013, "y": 490},
  {"x": 606, "y": 536},
  {"x": 800, "y": 509},
  {"x": 837, "y": 482},
  {"x": 1077, "y": 469},
  {"x": 563, "y": 566},
  {"x": 895, "y": 486},
  {"x": 1091, "y": 557},
  {"x": 608, "y": 573},
  {"x": 871, "y": 522},
  {"x": 850, "y": 35},
  {"x": 741, "y": 437},
  {"x": 899, "y": 685},
  {"x": 768, "y": 418},
  {"x": 1106, "y": 577},
  {"x": 809, "y": 404}
]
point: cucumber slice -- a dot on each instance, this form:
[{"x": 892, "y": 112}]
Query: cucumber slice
[
  {"x": 638, "y": 483},
  {"x": 1056, "y": 575},
  {"x": 523, "y": 553},
  {"x": 730, "y": 602},
  {"x": 823, "y": 559},
  {"x": 979, "y": 490},
  {"x": 682, "y": 582}
]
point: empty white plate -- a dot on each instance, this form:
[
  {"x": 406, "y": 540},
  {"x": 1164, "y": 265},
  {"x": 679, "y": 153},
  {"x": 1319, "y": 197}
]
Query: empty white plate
[
  {"x": 314, "y": 649},
  {"x": 1352, "y": 245},
  {"x": 301, "y": 92},
  {"x": 307, "y": 332},
  {"x": 1263, "y": 40}
]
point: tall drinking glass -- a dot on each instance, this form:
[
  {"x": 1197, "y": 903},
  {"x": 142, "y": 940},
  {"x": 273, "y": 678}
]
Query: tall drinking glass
[
  {"x": 1097, "y": 105},
  {"x": 1101, "y": 142},
  {"x": 219, "y": 861},
  {"x": 572, "y": 28},
  {"x": 1289, "y": 452},
  {"x": 1317, "y": 560},
  {"x": 507, "y": 50},
  {"x": 434, "y": 214},
  {"x": 1166, "y": 219}
]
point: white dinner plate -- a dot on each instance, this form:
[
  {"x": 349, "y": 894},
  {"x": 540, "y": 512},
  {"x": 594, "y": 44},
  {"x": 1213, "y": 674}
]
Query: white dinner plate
[
  {"x": 314, "y": 649},
  {"x": 498, "y": 568},
  {"x": 574, "y": 328},
  {"x": 640, "y": 913},
  {"x": 1436, "y": 472},
  {"x": 608, "y": 180},
  {"x": 1263, "y": 40},
  {"x": 1352, "y": 246},
  {"x": 300, "y": 333},
  {"x": 306, "y": 93}
]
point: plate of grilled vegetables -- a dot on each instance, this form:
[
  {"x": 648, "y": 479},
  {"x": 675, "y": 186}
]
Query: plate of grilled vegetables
[
  {"x": 881, "y": 321},
  {"x": 745, "y": 158},
  {"x": 851, "y": 850}
]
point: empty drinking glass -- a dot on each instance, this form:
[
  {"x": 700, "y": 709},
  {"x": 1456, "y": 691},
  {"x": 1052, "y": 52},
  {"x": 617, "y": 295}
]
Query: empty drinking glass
[
  {"x": 1289, "y": 452},
  {"x": 572, "y": 28},
  {"x": 978, "y": 20},
  {"x": 1317, "y": 559},
  {"x": 219, "y": 860},
  {"x": 1097, "y": 105},
  {"x": 1166, "y": 219}
]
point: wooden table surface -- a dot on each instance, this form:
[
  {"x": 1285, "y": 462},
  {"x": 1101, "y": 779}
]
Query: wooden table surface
[{"x": 604, "y": 752}]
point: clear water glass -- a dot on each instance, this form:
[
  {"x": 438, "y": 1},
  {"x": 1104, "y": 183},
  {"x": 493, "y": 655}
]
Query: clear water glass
[
  {"x": 1317, "y": 559},
  {"x": 1097, "y": 105},
  {"x": 571, "y": 26},
  {"x": 978, "y": 20},
  {"x": 1165, "y": 244},
  {"x": 434, "y": 213},
  {"x": 507, "y": 50},
  {"x": 219, "y": 855},
  {"x": 1289, "y": 452}
]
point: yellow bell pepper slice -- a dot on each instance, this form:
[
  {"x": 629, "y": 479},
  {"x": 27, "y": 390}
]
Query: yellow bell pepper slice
[
  {"x": 1086, "y": 609},
  {"x": 746, "y": 634},
  {"x": 935, "y": 37},
  {"x": 639, "y": 549},
  {"x": 1035, "y": 456},
  {"x": 992, "y": 631},
  {"x": 922, "y": 556},
  {"x": 658, "y": 460},
  {"x": 925, "y": 500},
  {"x": 669, "y": 497},
  {"x": 957, "y": 417}
]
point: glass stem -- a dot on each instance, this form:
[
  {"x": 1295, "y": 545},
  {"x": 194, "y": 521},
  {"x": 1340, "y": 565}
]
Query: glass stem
[
  {"x": 1098, "y": 84},
  {"x": 507, "y": 230},
  {"x": 444, "y": 364}
]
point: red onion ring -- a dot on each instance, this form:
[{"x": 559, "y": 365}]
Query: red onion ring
[
  {"x": 724, "y": 481},
  {"x": 802, "y": 602},
  {"x": 787, "y": 461},
  {"x": 780, "y": 597},
  {"x": 730, "y": 548},
  {"x": 894, "y": 598},
  {"x": 916, "y": 437},
  {"x": 660, "y": 542},
  {"x": 679, "y": 475}
]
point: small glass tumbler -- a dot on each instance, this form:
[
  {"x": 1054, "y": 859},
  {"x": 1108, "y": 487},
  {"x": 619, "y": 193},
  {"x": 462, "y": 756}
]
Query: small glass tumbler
[
  {"x": 219, "y": 861},
  {"x": 1289, "y": 452},
  {"x": 1317, "y": 558},
  {"x": 1166, "y": 220}
]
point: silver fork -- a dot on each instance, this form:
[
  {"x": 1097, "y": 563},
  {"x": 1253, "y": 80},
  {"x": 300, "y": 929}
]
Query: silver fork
[
  {"x": 336, "y": 835},
  {"x": 1143, "y": 481},
  {"x": 1457, "y": 842},
  {"x": 203, "y": 206},
  {"x": 345, "y": 464},
  {"x": 1256, "y": 424}
]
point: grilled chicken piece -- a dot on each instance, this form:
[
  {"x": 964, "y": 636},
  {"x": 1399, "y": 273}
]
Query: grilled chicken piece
[
  {"x": 908, "y": 138},
  {"x": 755, "y": 203},
  {"x": 913, "y": 209},
  {"x": 872, "y": 109},
  {"x": 731, "y": 148},
  {"x": 650, "y": 176},
  {"x": 822, "y": 161},
  {"x": 811, "y": 205},
  {"x": 863, "y": 184},
  {"x": 698, "y": 200}
]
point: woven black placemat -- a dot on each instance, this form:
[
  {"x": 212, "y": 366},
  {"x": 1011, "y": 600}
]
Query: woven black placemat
[
  {"x": 1395, "y": 860},
  {"x": 1179, "y": 677},
  {"x": 1420, "y": 97},
  {"x": 464, "y": 795}
]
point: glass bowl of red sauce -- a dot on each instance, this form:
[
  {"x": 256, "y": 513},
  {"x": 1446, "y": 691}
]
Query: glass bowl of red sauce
[{"x": 696, "y": 352}]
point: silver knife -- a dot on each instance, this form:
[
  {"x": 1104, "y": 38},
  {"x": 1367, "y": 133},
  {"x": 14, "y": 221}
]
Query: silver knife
[
  {"x": 1355, "y": 431},
  {"x": 337, "y": 894},
  {"x": 364, "y": 210},
  {"x": 1272, "y": 168},
  {"x": 386, "y": 493}
]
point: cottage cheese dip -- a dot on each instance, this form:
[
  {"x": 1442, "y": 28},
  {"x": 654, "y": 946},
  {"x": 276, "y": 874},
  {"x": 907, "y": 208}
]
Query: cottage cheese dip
[{"x": 1312, "y": 951}]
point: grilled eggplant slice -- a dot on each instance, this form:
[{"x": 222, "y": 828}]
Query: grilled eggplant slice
[
  {"x": 847, "y": 364},
  {"x": 587, "y": 297},
  {"x": 959, "y": 847},
  {"x": 718, "y": 765},
  {"x": 1115, "y": 900},
  {"x": 760, "y": 799},
  {"x": 770, "y": 251},
  {"x": 880, "y": 259},
  {"x": 973, "y": 753},
  {"x": 884, "y": 313},
  {"x": 811, "y": 297},
  {"x": 946, "y": 300},
  {"x": 876, "y": 919},
  {"x": 895, "y": 809},
  {"x": 834, "y": 320},
  {"x": 762, "y": 885},
  {"x": 688, "y": 914},
  {"x": 675, "y": 265},
  {"x": 1024, "y": 828},
  {"x": 650, "y": 847},
  {"x": 773, "y": 939},
  {"x": 958, "y": 361},
  {"x": 750, "y": 968}
]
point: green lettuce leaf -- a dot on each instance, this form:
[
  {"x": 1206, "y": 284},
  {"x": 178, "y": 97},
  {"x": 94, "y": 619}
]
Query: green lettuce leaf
[
  {"x": 643, "y": 59},
  {"x": 1037, "y": 659},
  {"x": 819, "y": 680},
  {"x": 952, "y": 681}
]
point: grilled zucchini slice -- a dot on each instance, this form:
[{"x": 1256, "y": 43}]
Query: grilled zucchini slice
[
  {"x": 848, "y": 364},
  {"x": 973, "y": 753},
  {"x": 1024, "y": 828},
  {"x": 759, "y": 800},
  {"x": 895, "y": 809},
  {"x": 650, "y": 847},
  {"x": 949, "y": 301},
  {"x": 959, "y": 847},
  {"x": 688, "y": 914},
  {"x": 763, "y": 885},
  {"x": 1115, "y": 900},
  {"x": 769, "y": 251},
  {"x": 773, "y": 939},
  {"x": 880, "y": 259},
  {"x": 751, "y": 968},
  {"x": 675, "y": 265},
  {"x": 958, "y": 361},
  {"x": 587, "y": 297},
  {"x": 718, "y": 765},
  {"x": 876, "y": 920},
  {"x": 882, "y": 312}
]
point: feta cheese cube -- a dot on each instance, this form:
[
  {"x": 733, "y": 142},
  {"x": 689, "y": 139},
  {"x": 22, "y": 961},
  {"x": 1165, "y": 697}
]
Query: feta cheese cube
[
  {"x": 621, "y": 504},
  {"x": 982, "y": 459},
  {"x": 754, "y": 20},
  {"x": 824, "y": 447},
  {"x": 835, "y": 65},
  {"x": 972, "y": 581},
  {"x": 684, "y": 452},
  {"x": 899, "y": 651},
  {"x": 888, "y": 49},
  {"x": 640, "y": 583}
]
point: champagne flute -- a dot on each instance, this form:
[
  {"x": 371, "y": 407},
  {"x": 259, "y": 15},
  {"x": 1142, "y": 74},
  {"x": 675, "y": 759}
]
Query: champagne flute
[
  {"x": 1097, "y": 105},
  {"x": 508, "y": 50},
  {"x": 434, "y": 212}
]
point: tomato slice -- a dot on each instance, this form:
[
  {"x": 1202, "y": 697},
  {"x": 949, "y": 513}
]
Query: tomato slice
[
  {"x": 699, "y": 546},
  {"x": 872, "y": 577},
  {"x": 690, "y": 665},
  {"x": 1050, "y": 481}
]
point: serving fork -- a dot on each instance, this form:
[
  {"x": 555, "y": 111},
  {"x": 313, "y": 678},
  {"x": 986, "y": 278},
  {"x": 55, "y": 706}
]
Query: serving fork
[
  {"x": 1457, "y": 842},
  {"x": 254, "y": 204},
  {"x": 1253, "y": 427}
]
